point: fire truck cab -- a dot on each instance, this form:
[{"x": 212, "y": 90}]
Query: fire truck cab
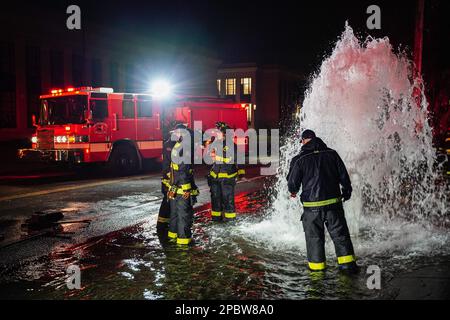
[{"x": 83, "y": 125}]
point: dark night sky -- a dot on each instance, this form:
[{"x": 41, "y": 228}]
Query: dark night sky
[
  {"x": 296, "y": 33},
  {"x": 293, "y": 33}
]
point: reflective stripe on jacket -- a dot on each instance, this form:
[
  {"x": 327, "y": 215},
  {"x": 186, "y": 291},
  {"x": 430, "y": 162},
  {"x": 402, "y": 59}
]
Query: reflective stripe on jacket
[{"x": 321, "y": 173}]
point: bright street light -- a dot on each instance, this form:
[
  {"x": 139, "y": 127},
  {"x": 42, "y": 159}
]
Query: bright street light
[{"x": 161, "y": 88}]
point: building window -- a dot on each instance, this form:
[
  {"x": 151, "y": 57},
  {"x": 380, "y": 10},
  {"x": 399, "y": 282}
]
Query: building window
[
  {"x": 219, "y": 92},
  {"x": 230, "y": 87},
  {"x": 246, "y": 86}
]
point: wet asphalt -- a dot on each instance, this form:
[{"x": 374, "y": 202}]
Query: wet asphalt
[
  {"x": 107, "y": 213},
  {"x": 97, "y": 202}
]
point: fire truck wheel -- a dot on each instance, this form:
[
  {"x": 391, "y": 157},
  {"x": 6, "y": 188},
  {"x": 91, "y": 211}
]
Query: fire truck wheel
[{"x": 124, "y": 160}]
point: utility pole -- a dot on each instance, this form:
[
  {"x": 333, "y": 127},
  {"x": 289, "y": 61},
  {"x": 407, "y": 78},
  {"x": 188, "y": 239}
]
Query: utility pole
[
  {"x": 418, "y": 52},
  {"x": 418, "y": 36}
]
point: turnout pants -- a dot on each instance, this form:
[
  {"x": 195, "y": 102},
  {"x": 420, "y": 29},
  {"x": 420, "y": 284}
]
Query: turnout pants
[
  {"x": 222, "y": 199},
  {"x": 164, "y": 213},
  {"x": 314, "y": 221},
  {"x": 181, "y": 216}
]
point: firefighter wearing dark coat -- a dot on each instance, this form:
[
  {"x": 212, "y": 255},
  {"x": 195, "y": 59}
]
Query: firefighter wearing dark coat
[
  {"x": 183, "y": 191},
  {"x": 222, "y": 178},
  {"x": 321, "y": 173},
  {"x": 164, "y": 209}
]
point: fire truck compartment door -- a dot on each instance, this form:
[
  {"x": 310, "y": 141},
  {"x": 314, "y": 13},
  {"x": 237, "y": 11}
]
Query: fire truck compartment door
[{"x": 99, "y": 132}]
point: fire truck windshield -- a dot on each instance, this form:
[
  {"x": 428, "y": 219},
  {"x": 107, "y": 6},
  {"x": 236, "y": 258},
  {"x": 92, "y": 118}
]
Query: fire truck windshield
[{"x": 63, "y": 110}]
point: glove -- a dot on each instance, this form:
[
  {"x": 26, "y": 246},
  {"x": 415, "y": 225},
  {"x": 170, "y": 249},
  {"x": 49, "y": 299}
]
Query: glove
[
  {"x": 346, "y": 195},
  {"x": 172, "y": 193},
  {"x": 186, "y": 195}
]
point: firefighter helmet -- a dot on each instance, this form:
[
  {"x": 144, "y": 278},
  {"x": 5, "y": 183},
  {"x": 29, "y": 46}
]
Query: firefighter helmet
[
  {"x": 222, "y": 126},
  {"x": 180, "y": 126}
]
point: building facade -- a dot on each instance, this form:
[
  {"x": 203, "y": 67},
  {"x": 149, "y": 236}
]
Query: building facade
[{"x": 271, "y": 94}]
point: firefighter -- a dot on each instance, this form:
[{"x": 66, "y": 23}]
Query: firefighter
[
  {"x": 164, "y": 209},
  {"x": 321, "y": 173},
  {"x": 222, "y": 177},
  {"x": 182, "y": 192}
]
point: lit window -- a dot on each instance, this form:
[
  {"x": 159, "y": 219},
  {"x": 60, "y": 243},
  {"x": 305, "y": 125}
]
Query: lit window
[
  {"x": 246, "y": 86},
  {"x": 218, "y": 87},
  {"x": 249, "y": 113},
  {"x": 230, "y": 87}
]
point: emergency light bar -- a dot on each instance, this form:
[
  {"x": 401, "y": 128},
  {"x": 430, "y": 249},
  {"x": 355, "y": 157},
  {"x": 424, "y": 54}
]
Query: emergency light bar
[
  {"x": 103, "y": 90},
  {"x": 83, "y": 89}
]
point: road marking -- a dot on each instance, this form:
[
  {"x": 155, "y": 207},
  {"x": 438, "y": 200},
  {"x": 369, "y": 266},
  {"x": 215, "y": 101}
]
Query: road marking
[{"x": 76, "y": 187}]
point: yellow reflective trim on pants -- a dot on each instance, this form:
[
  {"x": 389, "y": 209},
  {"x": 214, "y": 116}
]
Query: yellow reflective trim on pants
[
  {"x": 183, "y": 240},
  {"x": 346, "y": 259},
  {"x": 241, "y": 171},
  {"x": 317, "y": 266},
  {"x": 216, "y": 213},
  {"x": 172, "y": 235},
  {"x": 321, "y": 203},
  {"x": 163, "y": 220},
  {"x": 230, "y": 215}
]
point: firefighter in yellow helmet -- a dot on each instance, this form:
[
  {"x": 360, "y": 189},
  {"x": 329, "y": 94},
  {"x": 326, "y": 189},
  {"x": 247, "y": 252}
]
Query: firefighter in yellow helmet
[
  {"x": 183, "y": 192},
  {"x": 222, "y": 176}
]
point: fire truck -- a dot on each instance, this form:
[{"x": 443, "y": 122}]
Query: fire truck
[{"x": 97, "y": 125}]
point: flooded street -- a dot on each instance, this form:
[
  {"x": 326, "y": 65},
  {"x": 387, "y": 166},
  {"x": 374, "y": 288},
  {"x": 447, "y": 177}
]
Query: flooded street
[{"x": 224, "y": 262}]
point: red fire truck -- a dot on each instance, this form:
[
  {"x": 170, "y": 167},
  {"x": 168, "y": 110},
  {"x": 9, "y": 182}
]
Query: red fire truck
[{"x": 87, "y": 125}]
